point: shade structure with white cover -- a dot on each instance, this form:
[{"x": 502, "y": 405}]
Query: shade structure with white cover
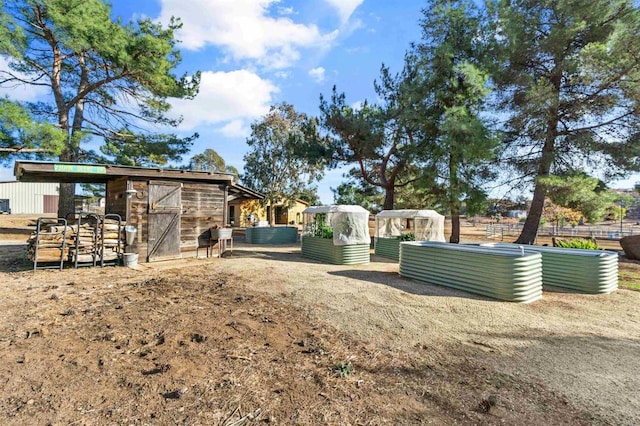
[
  {"x": 391, "y": 225},
  {"x": 350, "y": 228}
]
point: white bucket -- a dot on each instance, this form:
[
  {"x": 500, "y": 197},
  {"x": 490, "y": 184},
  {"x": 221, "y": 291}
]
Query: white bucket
[
  {"x": 130, "y": 259},
  {"x": 221, "y": 233},
  {"x": 130, "y": 232}
]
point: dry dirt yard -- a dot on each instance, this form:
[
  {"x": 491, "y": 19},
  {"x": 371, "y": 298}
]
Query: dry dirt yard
[{"x": 265, "y": 336}]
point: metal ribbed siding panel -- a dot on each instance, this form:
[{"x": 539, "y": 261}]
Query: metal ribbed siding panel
[
  {"x": 272, "y": 235},
  {"x": 322, "y": 249},
  {"x": 27, "y": 197},
  {"x": 388, "y": 247},
  {"x": 587, "y": 271},
  {"x": 500, "y": 274}
]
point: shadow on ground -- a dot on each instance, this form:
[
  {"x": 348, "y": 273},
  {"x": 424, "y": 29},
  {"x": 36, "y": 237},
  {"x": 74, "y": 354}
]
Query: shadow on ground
[
  {"x": 13, "y": 258},
  {"x": 392, "y": 279}
]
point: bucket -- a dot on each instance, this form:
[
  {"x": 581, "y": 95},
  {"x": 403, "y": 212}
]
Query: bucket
[
  {"x": 221, "y": 233},
  {"x": 131, "y": 234},
  {"x": 130, "y": 259}
]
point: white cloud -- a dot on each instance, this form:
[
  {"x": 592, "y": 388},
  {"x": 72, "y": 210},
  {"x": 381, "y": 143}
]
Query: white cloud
[
  {"x": 286, "y": 10},
  {"x": 345, "y": 8},
  {"x": 16, "y": 91},
  {"x": 236, "y": 129},
  {"x": 225, "y": 97},
  {"x": 357, "y": 105},
  {"x": 282, "y": 74},
  {"x": 317, "y": 74},
  {"x": 244, "y": 29}
]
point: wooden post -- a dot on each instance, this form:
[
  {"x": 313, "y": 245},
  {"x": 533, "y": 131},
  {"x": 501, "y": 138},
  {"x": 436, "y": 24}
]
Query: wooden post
[{"x": 225, "y": 206}]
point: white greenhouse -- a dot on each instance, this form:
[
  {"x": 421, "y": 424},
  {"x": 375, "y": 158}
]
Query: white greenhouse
[
  {"x": 336, "y": 234},
  {"x": 395, "y": 226}
]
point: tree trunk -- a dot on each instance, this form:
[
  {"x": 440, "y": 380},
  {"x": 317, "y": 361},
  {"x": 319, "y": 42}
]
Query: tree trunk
[
  {"x": 66, "y": 200},
  {"x": 455, "y": 228},
  {"x": 531, "y": 224},
  {"x": 389, "y": 195},
  {"x": 272, "y": 213},
  {"x": 454, "y": 202},
  {"x": 530, "y": 228}
]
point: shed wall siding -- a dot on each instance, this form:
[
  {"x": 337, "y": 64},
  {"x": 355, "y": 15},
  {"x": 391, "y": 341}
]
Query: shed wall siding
[
  {"x": 116, "y": 197},
  {"x": 139, "y": 217},
  {"x": 202, "y": 207},
  {"x": 27, "y": 197}
]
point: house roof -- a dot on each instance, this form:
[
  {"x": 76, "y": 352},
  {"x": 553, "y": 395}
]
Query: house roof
[
  {"x": 240, "y": 192},
  {"x": 45, "y": 171}
]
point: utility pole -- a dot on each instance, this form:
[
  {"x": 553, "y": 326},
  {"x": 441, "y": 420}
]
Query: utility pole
[{"x": 621, "y": 206}]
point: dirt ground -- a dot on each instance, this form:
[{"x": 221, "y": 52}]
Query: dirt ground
[{"x": 265, "y": 336}]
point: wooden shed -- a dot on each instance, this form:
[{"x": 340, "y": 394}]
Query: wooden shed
[{"x": 170, "y": 209}]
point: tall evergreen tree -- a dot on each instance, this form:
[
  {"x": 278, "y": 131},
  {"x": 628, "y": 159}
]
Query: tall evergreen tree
[
  {"x": 569, "y": 73},
  {"x": 376, "y": 137},
  {"x": 20, "y": 134},
  {"x": 106, "y": 78},
  {"x": 450, "y": 86}
]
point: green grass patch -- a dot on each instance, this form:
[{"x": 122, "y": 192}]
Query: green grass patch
[{"x": 629, "y": 276}]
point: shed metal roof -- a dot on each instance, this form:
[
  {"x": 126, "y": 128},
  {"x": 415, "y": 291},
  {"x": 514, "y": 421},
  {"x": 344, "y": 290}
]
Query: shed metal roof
[{"x": 45, "y": 171}]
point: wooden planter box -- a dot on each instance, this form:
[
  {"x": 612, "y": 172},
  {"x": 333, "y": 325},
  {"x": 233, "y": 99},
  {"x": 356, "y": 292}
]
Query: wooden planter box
[
  {"x": 272, "y": 235},
  {"x": 322, "y": 249},
  {"x": 388, "y": 247}
]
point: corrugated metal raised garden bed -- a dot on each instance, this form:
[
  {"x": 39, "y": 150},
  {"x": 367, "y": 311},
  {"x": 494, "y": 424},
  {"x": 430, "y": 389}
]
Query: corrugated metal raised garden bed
[
  {"x": 388, "y": 247},
  {"x": 272, "y": 235},
  {"x": 499, "y": 274},
  {"x": 587, "y": 271},
  {"x": 336, "y": 234},
  {"x": 322, "y": 249}
]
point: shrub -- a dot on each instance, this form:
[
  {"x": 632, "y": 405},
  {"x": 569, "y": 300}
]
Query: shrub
[
  {"x": 577, "y": 243},
  {"x": 407, "y": 237},
  {"x": 343, "y": 369},
  {"x": 322, "y": 230}
]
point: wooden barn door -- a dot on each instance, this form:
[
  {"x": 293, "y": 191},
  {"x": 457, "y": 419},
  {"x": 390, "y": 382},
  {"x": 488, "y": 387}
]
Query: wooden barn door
[{"x": 165, "y": 206}]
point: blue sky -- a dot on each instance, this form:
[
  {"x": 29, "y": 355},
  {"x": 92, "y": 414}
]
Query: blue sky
[{"x": 255, "y": 53}]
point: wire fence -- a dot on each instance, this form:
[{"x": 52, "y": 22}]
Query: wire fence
[{"x": 499, "y": 230}]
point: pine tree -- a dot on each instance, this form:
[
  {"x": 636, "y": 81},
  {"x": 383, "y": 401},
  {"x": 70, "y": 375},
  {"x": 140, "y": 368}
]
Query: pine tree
[{"x": 106, "y": 78}]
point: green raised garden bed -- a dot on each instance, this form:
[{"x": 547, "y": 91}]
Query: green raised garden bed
[
  {"x": 504, "y": 274},
  {"x": 586, "y": 271},
  {"x": 388, "y": 247},
  {"x": 272, "y": 235},
  {"x": 322, "y": 249}
]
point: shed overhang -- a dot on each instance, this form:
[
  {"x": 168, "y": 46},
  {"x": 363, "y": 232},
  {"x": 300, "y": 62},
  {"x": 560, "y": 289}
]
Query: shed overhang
[{"x": 43, "y": 171}]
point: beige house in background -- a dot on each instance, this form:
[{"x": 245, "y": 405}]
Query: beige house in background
[{"x": 245, "y": 209}]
